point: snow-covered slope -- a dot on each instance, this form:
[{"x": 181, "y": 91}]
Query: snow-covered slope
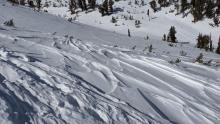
[
  {"x": 155, "y": 25},
  {"x": 56, "y": 72}
]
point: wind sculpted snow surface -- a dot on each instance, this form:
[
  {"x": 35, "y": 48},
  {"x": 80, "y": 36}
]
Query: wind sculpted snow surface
[{"x": 83, "y": 77}]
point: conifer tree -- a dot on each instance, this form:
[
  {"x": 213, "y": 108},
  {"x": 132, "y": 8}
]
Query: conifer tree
[
  {"x": 22, "y": 2},
  {"x": 218, "y": 10},
  {"x": 172, "y": 34},
  {"x": 80, "y": 4},
  {"x": 38, "y": 4},
  {"x": 9, "y": 23},
  {"x": 218, "y": 7},
  {"x": 148, "y": 12},
  {"x": 92, "y": 3},
  {"x": 72, "y": 6},
  {"x": 142, "y": 2},
  {"x": 31, "y": 3},
  {"x": 203, "y": 42},
  {"x": 105, "y": 6},
  {"x": 218, "y": 48},
  {"x": 153, "y": 5},
  {"x": 197, "y": 9},
  {"x": 137, "y": 23},
  {"x": 129, "y": 33},
  {"x": 111, "y": 2},
  {"x": 216, "y": 21},
  {"x": 13, "y": 1},
  {"x": 164, "y": 37},
  {"x": 102, "y": 10},
  {"x": 150, "y": 48},
  {"x": 210, "y": 9},
  {"x": 84, "y": 7},
  {"x": 199, "y": 41},
  {"x": 193, "y": 3},
  {"x": 113, "y": 19},
  {"x": 199, "y": 59},
  {"x": 184, "y": 5},
  {"x": 160, "y": 2},
  {"x": 210, "y": 44}
]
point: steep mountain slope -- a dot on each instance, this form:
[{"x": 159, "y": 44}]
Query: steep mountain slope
[
  {"x": 56, "y": 72},
  {"x": 154, "y": 25}
]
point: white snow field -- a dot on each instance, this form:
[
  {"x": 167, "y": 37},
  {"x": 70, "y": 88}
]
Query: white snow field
[
  {"x": 155, "y": 25},
  {"x": 56, "y": 72}
]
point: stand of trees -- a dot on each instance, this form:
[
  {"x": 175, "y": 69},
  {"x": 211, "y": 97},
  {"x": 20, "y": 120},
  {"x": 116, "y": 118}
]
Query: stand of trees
[
  {"x": 205, "y": 42},
  {"x": 202, "y": 8},
  {"x": 13, "y": 1},
  {"x": 31, "y": 3},
  {"x": 171, "y": 36},
  {"x": 84, "y": 5},
  {"x": 198, "y": 8},
  {"x": 106, "y": 8}
]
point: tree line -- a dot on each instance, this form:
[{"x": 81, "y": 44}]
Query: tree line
[
  {"x": 31, "y": 3},
  {"x": 84, "y": 5},
  {"x": 198, "y": 8},
  {"x": 203, "y": 41},
  {"x": 106, "y": 8}
]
